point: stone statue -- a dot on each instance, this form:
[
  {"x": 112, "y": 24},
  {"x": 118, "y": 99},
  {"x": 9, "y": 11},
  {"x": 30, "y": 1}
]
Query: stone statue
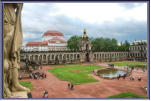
[{"x": 12, "y": 43}]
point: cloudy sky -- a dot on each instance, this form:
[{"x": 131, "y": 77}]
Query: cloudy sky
[{"x": 123, "y": 21}]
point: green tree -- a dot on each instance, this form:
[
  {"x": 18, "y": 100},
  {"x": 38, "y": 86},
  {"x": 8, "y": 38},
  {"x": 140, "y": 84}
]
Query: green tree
[
  {"x": 107, "y": 44},
  {"x": 104, "y": 44},
  {"x": 114, "y": 44},
  {"x": 124, "y": 46},
  {"x": 97, "y": 44},
  {"x": 73, "y": 43}
]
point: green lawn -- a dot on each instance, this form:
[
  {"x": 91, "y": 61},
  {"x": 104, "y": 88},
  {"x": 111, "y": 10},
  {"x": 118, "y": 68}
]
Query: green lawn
[
  {"x": 127, "y": 95},
  {"x": 63, "y": 65},
  {"x": 27, "y": 84},
  {"x": 75, "y": 74},
  {"x": 117, "y": 63}
]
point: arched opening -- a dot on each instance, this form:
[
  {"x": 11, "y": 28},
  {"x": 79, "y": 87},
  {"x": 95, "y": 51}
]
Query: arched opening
[
  {"x": 56, "y": 59},
  {"x": 87, "y": 57},
  {"x": 44, "y": 57},
  {"x": 48, "y": 59},
  {"x": 36, "y": 57}
]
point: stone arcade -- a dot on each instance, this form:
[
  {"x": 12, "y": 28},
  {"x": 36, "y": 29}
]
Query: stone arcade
[{"x": 85, "y": 54}]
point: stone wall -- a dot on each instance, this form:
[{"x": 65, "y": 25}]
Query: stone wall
[{"x": 63, "y": 57}]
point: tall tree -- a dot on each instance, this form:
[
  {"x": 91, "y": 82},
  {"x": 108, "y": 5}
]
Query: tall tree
[
  {"x": 73, "y": 43},
  {"x": 124, "y": 46},
  {"x": 107, "y": 44}
]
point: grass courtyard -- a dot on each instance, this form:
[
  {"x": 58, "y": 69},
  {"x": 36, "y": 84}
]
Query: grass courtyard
[
  {"x": 27, "y": 84},
  {"x": 128, "y": 63},
  {"x": 75, "y": 74},
  {"x": 64, "y": 65},
  {"x": 127, "y": 95}
]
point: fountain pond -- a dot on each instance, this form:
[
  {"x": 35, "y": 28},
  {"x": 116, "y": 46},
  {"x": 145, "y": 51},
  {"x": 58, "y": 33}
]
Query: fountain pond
[{"x": 110, "y": 73}]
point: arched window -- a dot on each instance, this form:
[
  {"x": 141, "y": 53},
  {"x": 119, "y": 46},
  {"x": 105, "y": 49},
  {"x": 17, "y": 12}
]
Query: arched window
[
  {"x": 60, "y": 56},
  {"x": 67, "y": 56},
  {"x": 97, "y": 56},
  {"x": 31, "y": 57},
  {"x": 94, "y": 56},
  {"x": 44, "y": 57},
  {"x": 102, "y": 55},
  {"x": 48, "y": 57},
  {"x": 36, "y": 57},
  {"x": 78, "y": 56},
  {"x": 74, "y": 56},
  {"x": 40, "y": 57},
  {"x": 64, "y": 56},
  {"x": 52, "y": 56},
  {"x": 71, "y": 55}
]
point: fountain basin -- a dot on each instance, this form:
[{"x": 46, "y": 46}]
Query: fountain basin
[{"x": 110, "y": 73}]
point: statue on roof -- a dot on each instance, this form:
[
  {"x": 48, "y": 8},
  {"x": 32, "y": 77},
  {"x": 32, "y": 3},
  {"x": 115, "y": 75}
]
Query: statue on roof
[{"x": 84, "y": 36}]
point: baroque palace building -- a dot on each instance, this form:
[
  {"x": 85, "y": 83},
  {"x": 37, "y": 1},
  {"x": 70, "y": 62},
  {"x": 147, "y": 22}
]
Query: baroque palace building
[
  {"x": 53, "y": 50},
  {"x": 51, "y": 41}
]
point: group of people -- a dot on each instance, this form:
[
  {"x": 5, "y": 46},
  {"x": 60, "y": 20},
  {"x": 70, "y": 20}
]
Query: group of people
[
  {"x": 132, "y": 68},
  {"x": 37, "y": 75},
  {"x": 133, "y": 78},
  {"x": 119, "y": 76}
]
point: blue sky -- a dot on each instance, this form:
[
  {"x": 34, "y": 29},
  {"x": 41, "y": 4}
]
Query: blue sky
[{"x": 122, "y": 21}]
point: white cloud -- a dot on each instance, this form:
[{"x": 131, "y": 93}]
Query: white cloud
[
  {"x": 100, "y": 12},
  {"x": 118, "y": 20},
  {"x": 28, "y": 35}
]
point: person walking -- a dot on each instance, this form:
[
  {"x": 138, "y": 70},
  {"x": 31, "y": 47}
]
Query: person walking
[
  {"x": 72, "y": 86},
  {"x": 45, "y": 94},
  {"x": 139, "y": 78},
  {"x": 45, "y": 75},
  {"x": 69, "y": 85}
]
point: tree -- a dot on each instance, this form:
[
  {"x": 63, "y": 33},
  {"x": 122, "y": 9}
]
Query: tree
[
  {"x": 114, "y": 44},
  {"x": 107, "y": 44},
  {"x": 97, "y": 44},
  {"x": 73, "y": 43},
  {"x": 104, "y": 44},
  {"x": 124, "y": 46}
]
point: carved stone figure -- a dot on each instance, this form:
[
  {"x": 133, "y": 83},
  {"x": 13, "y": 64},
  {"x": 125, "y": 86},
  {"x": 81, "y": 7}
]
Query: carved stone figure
[{"x": 12, "y": 43}]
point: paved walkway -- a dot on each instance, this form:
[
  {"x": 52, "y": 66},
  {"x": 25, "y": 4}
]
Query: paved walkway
[{"x": 102, "y": 89}]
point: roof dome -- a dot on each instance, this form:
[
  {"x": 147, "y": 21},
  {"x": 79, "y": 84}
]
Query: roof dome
[{"x": 52, "y": 33}]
